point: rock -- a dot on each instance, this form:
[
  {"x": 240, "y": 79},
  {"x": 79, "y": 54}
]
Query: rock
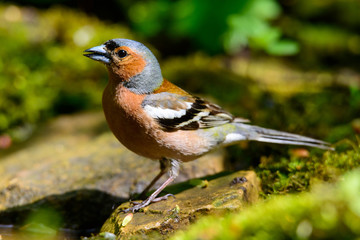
[
  {"x": 159, "y": 220},
  {"x": 75, "y": 166}
]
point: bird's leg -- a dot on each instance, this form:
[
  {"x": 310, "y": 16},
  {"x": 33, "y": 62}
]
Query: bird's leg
[
  {"x": 173, "y": 173},
  {"x": 164, "y": 165}
]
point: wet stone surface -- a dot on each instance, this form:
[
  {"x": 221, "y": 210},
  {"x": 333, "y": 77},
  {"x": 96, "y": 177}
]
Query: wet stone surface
[{"x": 160, "y": 220}]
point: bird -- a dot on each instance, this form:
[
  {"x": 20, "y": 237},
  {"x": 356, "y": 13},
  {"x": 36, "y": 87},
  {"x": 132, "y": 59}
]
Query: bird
[{"x": 158, "y": 120}]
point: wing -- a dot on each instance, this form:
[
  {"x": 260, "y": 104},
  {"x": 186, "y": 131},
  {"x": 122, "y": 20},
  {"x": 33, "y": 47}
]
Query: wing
[{"x": 176, "y": 112}]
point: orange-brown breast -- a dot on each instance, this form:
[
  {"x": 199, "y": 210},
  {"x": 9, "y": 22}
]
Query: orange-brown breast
[
  {"x": 141, "y": 134},
  {"x": 125, "y": 117}
]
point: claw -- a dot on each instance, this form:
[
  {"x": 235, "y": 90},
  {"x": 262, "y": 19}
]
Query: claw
[
  {"x": 135, "y": 203},
  {"x": 158, "y": 199},
  {"x": 139, "y": 205}
]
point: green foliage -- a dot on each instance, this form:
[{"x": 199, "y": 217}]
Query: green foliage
[
  {"x": 212, "y": 25},
  {"x": 42, "y": 70},
  {"x": 251, "y": 28},
  {"x": 328, "y": 212}
]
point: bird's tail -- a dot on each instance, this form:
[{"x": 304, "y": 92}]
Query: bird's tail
[{"x": 260, "y": 134}]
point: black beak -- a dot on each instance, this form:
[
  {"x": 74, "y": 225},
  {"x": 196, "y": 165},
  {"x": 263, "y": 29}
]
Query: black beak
[{"x": 98, "y": 53}]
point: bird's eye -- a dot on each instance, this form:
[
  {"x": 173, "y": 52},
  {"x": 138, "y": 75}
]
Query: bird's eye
[{"x": 122, "y": 53}]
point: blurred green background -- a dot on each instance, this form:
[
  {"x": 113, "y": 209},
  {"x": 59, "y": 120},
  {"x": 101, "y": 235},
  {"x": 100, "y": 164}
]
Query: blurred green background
[{"x": 291, "y": 65}]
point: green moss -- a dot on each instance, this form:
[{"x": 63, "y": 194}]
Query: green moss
[
  {"x": 296, "y": 174},
  {"x": 327, "y": 212}
]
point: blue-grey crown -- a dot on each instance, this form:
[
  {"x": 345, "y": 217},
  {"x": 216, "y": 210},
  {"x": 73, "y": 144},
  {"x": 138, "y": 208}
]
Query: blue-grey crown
[{"x": 146, "y": 81}]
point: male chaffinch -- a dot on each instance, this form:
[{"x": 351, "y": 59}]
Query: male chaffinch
[{"x": 158, "y": 120}]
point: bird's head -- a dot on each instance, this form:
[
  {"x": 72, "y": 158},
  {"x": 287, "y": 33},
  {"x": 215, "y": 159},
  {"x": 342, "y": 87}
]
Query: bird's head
[{"x": 129, "y": 63}]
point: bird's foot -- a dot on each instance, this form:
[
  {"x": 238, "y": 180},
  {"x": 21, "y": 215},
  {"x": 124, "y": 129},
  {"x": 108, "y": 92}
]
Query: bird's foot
[{"x": 139, "y": 205}]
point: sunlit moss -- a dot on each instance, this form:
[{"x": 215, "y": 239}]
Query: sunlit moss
[
  {"x": 327, "y": 212},
  {"x": 295, "y": 174}
]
